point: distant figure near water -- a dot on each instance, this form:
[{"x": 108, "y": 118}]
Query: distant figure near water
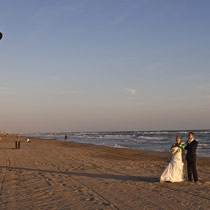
[
  {"x": 66, "y": 137},
  {"x": 17, "y": 142}
]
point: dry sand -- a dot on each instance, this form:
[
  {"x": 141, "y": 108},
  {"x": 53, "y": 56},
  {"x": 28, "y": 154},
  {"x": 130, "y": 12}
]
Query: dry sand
[{"x": 49, "y": 174}]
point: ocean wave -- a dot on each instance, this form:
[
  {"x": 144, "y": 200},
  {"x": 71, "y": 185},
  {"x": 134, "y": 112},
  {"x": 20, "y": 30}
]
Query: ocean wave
[
  {"x": 202, "y": 132},
  {"x": 153, "y": 132},
  {"x": 151, "y": 137},
  {"x": 182, "y": 132},
  {"x": 119, "y": 146},
  {"x": 204, "y": 146}
]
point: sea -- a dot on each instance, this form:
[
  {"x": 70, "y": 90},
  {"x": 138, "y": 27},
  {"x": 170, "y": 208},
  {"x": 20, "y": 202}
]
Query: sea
[{"x": 143, "y": 140}]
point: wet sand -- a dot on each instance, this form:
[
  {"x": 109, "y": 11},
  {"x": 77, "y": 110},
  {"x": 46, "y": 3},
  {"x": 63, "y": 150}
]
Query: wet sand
[{"x": 50, "y": 174}]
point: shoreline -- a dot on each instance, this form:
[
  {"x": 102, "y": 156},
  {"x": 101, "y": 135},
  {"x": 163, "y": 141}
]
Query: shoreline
[
  {"x": 151, "y": 154},
  {"x": 120, "y": 147},
  {"x": 141, "y": 140}
]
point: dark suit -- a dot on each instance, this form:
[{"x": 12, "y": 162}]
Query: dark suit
[{"x": 191, "y": 160}]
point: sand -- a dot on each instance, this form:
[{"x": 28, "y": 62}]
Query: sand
[{"x": 50, "y": 174}]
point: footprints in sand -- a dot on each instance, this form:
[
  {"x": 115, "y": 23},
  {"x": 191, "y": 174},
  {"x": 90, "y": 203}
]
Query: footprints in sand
[
  {"x": 90, "y": 199},
  {"x": 86, "y": 195}
]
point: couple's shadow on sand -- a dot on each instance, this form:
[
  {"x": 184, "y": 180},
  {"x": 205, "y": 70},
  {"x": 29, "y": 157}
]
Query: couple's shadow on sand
[{"x": 90, "y": 175}]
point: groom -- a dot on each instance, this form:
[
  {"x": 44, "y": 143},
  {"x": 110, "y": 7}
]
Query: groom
[{"x": 191, "y": 157}]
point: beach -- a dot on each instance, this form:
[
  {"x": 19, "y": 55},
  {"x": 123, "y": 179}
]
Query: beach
[{"x": 51, "y": 174}]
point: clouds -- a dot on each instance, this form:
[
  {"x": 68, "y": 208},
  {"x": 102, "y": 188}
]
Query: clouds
[{"x": 130, "y": 91}]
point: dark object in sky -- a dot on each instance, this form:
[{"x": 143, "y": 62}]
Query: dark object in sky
[{"x": 1, "y": 35}]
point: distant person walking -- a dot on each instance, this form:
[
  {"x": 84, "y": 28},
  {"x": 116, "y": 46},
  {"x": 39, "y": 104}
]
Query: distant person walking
[
  {"x": 191, "y": 157},
  {"x": 66, "y": 137},
  {"x": 17, "y": 142}
]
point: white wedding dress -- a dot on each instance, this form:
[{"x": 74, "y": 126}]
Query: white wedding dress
[{"x": 174, "y": 170}]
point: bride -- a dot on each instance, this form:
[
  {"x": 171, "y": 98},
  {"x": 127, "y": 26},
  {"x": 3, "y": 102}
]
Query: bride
[{"x": 174, "y": 170}]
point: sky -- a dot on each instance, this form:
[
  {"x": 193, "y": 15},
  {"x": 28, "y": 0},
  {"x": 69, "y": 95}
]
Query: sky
[{"x": 104, "y": 65}]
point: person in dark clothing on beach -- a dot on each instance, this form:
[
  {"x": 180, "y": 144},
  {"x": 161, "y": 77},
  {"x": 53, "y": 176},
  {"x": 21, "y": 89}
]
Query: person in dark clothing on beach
[
  {"x": 191, "y": 157},
  {"x": 66, "y": 137}
]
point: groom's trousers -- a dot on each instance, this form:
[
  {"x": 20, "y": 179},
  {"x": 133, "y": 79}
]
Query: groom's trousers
[{"x": 191, "y": 170}]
